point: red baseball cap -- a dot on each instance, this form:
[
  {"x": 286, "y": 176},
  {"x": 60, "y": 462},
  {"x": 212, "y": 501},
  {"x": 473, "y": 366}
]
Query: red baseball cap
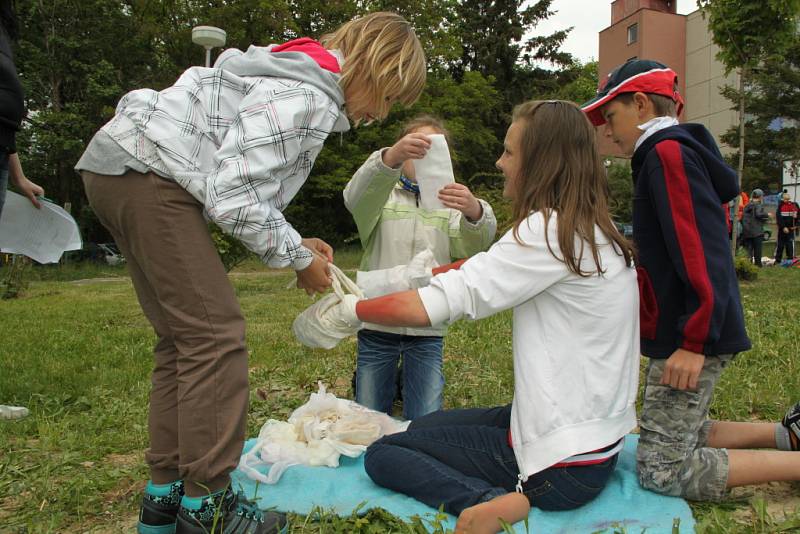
[{"x": 634, "y": 76}]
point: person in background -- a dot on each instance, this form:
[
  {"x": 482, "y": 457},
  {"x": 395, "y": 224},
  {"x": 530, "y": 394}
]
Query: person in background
[
  {"x": 755, "y": 215},
  {"x": 12, "y": 111},
  {"x": 786, "y": 217}
]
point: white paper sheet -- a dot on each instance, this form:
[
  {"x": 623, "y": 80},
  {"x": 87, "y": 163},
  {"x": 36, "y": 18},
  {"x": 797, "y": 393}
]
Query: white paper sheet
[
  {"x": 433, "y": 172},
  {"x": 41, "y": 234}
]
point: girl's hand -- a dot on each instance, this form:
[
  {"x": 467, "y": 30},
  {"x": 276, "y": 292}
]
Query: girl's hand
[
  {"x": 459, "y": 197},
  {"x": 315, "y": 278},
  {"x": 411, "y": 146},
  {"x": 18, "y": 179}
]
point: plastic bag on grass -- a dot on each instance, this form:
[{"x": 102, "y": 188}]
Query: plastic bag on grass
[{"x": 316, "y": 434}]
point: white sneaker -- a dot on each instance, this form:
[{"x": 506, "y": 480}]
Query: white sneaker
[{"x": 13, "y": 412}]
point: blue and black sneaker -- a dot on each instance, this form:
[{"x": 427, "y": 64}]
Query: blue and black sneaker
[
  {"x": 792, "y": 423},
  {"x": 227, "y": 513},
  {"x": 159, "y": 509}
]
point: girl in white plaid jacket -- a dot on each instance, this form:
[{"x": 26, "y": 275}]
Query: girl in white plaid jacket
[{"x": 234, "y": 143}]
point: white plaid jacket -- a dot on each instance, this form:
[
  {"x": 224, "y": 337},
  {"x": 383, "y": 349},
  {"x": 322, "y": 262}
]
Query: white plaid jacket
[{"x": 241, "y": 145}]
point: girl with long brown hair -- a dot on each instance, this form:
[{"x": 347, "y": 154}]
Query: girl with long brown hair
[{"x": 567, "y": 274}]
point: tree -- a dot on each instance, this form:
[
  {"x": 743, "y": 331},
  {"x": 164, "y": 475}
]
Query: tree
[
  {"x": 497, "y": 40},
  {"x": 620, "y": 188},
  {"x": 72, "y": 71},
  {"x": 748, "y": 32},
  {"x": 578, "y": 83},
  {"x": 77, "y": 59},
  {"x": 773, "y": 104}
]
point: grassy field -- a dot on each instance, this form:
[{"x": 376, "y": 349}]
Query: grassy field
[{"x": 76, "y": 351}]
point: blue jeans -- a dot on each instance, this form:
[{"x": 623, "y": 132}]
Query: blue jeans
[
  {"x": 460, "y": 458},
  {"x": 423, "y": 379}
]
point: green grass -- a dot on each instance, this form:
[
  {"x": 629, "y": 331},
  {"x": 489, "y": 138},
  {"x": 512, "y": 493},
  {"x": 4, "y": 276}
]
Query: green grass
[{"x": 77, "y": 352}]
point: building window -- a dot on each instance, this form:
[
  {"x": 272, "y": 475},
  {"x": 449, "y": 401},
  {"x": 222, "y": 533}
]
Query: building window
[{"x": 633, "y": 33}]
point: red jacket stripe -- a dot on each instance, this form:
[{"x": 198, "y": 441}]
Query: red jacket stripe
[{"x": 696, "y": 329}]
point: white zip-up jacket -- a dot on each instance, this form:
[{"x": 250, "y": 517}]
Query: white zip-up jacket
[
  {"x": 393, "y": 228},
  {"x": 241, "y": 138},
  {"x": 575, "y": 339}
]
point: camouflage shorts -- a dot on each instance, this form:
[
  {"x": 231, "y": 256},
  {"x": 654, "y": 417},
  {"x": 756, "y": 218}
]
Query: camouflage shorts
[{"x": 673, "y": 430}]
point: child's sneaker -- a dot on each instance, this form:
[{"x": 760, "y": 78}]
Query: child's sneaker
[
  {"x": 792, "y": 423},
  {"x": 226, "y": 513},
  {"x": 159, "y": 509}
]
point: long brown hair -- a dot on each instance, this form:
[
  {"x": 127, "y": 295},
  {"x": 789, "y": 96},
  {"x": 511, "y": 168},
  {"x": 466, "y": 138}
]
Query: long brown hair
[{"x": 561, "y": 171}]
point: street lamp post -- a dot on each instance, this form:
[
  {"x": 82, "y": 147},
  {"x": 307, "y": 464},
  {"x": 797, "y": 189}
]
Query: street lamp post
[{"x": 208, "y": 37}]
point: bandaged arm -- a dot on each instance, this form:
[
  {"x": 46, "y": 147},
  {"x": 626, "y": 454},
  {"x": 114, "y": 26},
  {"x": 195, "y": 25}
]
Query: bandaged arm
[
  {"x": 406, "y": 308},
  {"x": 509, "y": 274}
]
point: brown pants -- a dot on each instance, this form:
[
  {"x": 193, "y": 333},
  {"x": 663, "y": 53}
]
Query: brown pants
[{"x": 199, "y": 395}]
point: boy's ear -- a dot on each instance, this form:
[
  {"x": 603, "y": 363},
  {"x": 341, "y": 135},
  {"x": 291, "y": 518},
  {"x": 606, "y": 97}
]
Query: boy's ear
[{"x": 643, "y": 104}]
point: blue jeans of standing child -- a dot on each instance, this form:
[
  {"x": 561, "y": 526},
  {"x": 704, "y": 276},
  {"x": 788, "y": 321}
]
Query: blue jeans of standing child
[
  {"x": 423, "y": 379},
  {"x": 460, "y": 458}
]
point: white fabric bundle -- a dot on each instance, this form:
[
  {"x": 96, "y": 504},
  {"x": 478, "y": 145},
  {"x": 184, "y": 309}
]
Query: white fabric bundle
[
  {"x": 325, "y": 323},
  {"x": 317, "y": 433},
  {"x": 433, "y": 172},
  {"x": 416, "y": 274}
]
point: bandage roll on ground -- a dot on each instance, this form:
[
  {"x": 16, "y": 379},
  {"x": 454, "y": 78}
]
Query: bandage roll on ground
[
  {"x": 381, "y": 282},
  {"x": 332, "y": 318},
  {"x": 433, "y": 172}
]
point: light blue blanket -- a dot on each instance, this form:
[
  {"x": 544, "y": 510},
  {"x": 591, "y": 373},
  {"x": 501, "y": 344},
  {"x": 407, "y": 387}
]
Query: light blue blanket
[{"x": 623, "y": 502}]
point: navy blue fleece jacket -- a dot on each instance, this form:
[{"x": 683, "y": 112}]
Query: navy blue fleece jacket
[{"x": 689, "y": 292}]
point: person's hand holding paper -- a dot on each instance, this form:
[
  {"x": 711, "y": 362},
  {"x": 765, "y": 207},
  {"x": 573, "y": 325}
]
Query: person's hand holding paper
[{"x": 433, "y": 172}]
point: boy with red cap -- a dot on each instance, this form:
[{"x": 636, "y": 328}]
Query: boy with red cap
[{"x": 692, "y": 322}]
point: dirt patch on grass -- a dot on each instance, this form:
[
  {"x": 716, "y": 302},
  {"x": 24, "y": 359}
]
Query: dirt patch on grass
[
  {"x": 111, "y": 524},
  {"x": 124, "y": 460},
  {"x": 782, "y": 501},
  {"x": 8, "y": 507},
  {"x": 86, "y": 281}
]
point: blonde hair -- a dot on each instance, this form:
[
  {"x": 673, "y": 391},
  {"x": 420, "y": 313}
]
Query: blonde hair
[
  {"x": 382, "y": 51},
  {"x": 561, "y": 171}
]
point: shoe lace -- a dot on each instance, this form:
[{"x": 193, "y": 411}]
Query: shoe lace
[{"x": 248, "y": 510}]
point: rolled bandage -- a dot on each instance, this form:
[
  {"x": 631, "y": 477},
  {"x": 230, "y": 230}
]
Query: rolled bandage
[
  {"x": 381, "y": 282},
  {"x": 332, "y": 318}
]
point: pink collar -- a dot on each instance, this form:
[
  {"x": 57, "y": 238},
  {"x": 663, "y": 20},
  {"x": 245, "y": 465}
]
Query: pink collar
[{"x": 313, "y": 49}]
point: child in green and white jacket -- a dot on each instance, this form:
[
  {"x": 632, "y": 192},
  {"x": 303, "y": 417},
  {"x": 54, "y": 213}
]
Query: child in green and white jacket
[{"x": 383, "y": 197}]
